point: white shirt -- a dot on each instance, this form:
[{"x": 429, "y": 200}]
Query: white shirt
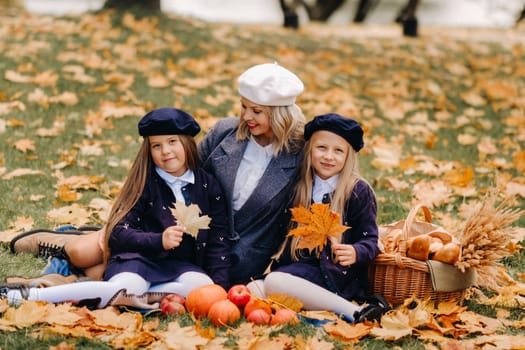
[
  {"x": 322, "y": 187},
  {"x": 253, "y": 164},
  {"x": 176, "y": 183}
]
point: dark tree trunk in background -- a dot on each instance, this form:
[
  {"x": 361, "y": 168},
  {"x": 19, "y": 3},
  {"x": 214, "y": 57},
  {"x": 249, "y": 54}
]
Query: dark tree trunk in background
[{"x": 121, "y": 4}]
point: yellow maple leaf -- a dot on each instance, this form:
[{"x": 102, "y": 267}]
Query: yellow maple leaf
[
  {"x": 317, "y": 225},
  {"x": 394, "y": 325},
  {"x": 177, "y": 337},
  {"x": 189, "y": 217},
  {"x": 346, "y": 331},
  {"x": 284, "y": 300}
]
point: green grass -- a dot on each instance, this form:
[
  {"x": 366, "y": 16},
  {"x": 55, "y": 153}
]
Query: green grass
[{"x": 201, "y": 61}]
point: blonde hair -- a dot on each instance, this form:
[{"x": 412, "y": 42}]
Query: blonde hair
[
  {"x": 287, "y": 124},
  {"x": 347, "y": 179},
  {"x": 135, "y": 183}
]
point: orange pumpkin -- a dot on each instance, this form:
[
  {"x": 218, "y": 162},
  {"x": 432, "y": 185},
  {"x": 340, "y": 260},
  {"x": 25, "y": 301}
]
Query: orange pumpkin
[
  {"x": 223, "y": 312},
  {"x": 200, "y": 299}
]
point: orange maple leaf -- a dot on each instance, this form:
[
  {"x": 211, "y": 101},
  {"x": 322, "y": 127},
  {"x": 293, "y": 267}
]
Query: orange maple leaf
[{"x": 317, "y": 225}]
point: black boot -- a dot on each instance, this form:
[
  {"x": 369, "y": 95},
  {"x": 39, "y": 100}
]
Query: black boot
[
  {"x": 291, "y": 20},
  {"x": 410, "y": 27},
  {"x": 377, "y": 307}
]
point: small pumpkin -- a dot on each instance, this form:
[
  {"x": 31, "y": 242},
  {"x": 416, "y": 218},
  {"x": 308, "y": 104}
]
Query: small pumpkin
[
  {"x": 223, "y": 312},
  {"x": 200, "y": 299}
]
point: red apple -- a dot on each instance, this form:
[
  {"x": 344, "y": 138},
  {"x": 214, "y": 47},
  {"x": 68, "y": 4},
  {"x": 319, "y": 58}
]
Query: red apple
[
  {"x": 239, "y": 294},
  {"x": 259, "y": 316},
  {"x": 172, "y": 308},
  {"x": 172, "y": 304},
  {"x": 173, "y": 297}
]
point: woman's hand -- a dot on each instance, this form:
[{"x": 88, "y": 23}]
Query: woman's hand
[
  {"x": 172, "y": 236},
  {"x": 344, "y": 254}
]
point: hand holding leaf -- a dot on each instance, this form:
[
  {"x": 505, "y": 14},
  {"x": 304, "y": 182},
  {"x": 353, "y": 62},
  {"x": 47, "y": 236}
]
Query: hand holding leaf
[
  {"x": 316, "y": 226},
  {"x": 189, "y": 217}
]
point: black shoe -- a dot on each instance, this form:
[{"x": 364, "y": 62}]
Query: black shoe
[
  {"x": 6, "y": 287},
  {"x": 377, "y": 307}
]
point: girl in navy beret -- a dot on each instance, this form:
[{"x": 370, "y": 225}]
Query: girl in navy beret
[
  {"x": 147, "y": 253},
  {"x": 331, "y": 278}
]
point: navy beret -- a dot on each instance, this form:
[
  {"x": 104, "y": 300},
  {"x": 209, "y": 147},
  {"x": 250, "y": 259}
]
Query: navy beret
[
  {"x": 347, "y": 128},
  {"x": 168, "y": 121}
]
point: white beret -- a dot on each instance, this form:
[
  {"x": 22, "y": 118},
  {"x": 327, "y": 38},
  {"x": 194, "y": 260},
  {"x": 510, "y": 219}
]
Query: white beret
[{"x": 269, "y": 84}]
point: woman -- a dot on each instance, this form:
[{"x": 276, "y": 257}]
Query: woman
[{"x": 256, "y": 158}]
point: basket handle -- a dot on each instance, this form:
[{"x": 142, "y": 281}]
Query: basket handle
[{"x": 412, "y": 216}]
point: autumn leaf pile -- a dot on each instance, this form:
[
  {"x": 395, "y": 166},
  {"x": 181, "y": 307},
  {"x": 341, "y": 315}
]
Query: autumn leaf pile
[
  {"x": 444, "y": 123},
  {"x": 446, "y": 323}
]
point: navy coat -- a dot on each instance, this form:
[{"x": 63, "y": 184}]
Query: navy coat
[
  {"x": 138, "y": 237},
  {"x": 255, "y": 227},
  {"x": 351, "y": 282}
]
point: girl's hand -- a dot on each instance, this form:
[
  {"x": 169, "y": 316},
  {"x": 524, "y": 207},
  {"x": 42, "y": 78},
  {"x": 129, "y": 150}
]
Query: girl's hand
[
  {"x": 172, "y": 236},
  {"x": 344, "y": 254}
]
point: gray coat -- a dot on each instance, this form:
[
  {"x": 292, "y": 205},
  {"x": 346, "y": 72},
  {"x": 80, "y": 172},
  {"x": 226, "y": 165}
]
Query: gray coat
[{"x": 256, "y": 228}]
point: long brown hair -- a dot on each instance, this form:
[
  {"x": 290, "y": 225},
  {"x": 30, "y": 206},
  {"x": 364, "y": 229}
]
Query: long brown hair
[{"x": 136, "y": 181}]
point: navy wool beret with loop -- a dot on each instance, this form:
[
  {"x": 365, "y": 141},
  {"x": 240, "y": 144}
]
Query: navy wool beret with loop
[
  {"x": 347, "y": 128},
  {"x": 168, "y": 121}
]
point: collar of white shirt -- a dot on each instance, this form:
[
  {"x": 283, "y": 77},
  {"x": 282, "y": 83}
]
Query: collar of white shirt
[
  {"x": 256, "y": 149},
  {"x": 175, "y": 183},
  {"x": 187, "y": 178},
  {"x": 322, "y": 187}
]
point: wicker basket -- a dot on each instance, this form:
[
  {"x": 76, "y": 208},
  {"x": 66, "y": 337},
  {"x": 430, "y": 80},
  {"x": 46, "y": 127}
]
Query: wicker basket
[{"x": 397, "y": 277}]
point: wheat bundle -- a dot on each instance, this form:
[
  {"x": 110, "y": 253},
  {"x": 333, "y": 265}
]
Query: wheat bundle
[{"x": 486, "y": 239}]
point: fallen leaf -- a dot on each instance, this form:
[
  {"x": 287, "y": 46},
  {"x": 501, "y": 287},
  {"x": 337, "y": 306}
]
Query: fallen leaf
[
  {"x": 184, "y": 338},
  {"x": 394, "y": 326},
  {"x": 283, "y": 300},
  {"x": 22, "y": 172},
  {"x": 347, "y": 332},
  {"x": 25, "y": 145}
]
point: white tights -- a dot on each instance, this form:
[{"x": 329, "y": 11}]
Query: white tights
[
  {"x": 314, "y": 297},
  {"x": 105, "y": 290}
]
